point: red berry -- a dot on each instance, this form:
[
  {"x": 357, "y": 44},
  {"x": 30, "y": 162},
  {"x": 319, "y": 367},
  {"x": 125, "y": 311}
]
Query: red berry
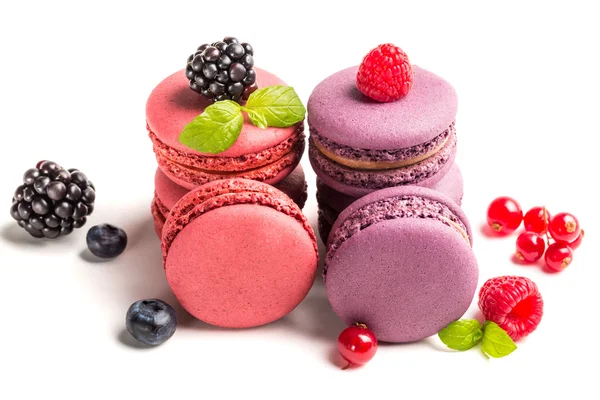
[
  {"x": 357, "y": 344},
  {"x": 385, "y": 74},
  {"x": 530, "y": 246},
  {"x": 536, "y": 220},
  {"x": 558, "y": 256},
  {"x": 577, "y": 242},
  {"x": 504, "y": 215},
  {"x": 514, "y": 303},
  {"x": 564, "y": 227}
]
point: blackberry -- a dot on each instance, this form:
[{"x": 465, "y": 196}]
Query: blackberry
[
  {"x": 52, "y": 201},
  {"x": 222, "y": 70}
]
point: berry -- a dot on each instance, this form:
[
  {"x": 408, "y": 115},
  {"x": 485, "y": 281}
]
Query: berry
[
  {"x": 530, "y": 246},
  {"x": 558, "y": 256},
  {"x": 52, "y": 201},
  {"x": 214, "y": 70},
  {"x": 357, "y": 344},
  {"x": 514, "y": 303},
  {"x": 151, "y": 321},
  {"x": 385, "y": 74},
  {"x": 577, "y": 242},
  {"x": 564, "y": 227},
  {"x": 504, "y": 215},
  {"x": 537, "y": 220},
  {"x": 106, "y": 241}
]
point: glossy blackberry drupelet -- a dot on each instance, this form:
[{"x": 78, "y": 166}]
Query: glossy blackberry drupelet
[
  {"x": 52, "y": 201},
  {"x": 222, "y": 70},
  {"x": 106, "y": 241},
  {"x": 151, "y": 321}
]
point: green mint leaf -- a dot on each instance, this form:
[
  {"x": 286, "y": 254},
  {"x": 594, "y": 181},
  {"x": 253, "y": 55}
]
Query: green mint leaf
[
  {"x": 462, "y": 334},
  {"x": 216, "y": 129},
  {"x": 257, "y": 118},
  {"x": 279, "y": 106},
  {"x": 496, "y": 342}
]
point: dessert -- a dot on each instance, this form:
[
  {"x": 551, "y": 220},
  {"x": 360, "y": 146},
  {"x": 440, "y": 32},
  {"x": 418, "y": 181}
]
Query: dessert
[
  {"x": 238, "y": 253},
  {"x": 167, "y": 194},
  {"x": 331, "y": 202},
  {"x": 358, "y": 145},
  {"x": 400, "y": 261}
]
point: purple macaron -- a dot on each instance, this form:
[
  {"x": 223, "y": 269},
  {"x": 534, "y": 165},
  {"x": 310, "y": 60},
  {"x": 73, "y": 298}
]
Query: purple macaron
[
  {"x": 358, "y": 145},
  {"x": 400, "y": 261}
]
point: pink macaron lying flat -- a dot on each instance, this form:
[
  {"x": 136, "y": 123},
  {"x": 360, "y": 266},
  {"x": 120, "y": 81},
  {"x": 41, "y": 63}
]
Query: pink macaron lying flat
[
  {"x": 400, "y": 261},
  {"x": 238, "y": 253},
  {"x": 168, "y": 193},
  {"x": 267, "y": 155}
]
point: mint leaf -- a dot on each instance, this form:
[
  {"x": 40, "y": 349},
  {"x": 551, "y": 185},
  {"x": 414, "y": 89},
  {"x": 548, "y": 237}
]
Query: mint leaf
[
  {"x": 462, "y": 334},
  {"x": 496, "y": 342},
  {"x": 278, "y": 106},
  {"x": 215, "y": 130}
]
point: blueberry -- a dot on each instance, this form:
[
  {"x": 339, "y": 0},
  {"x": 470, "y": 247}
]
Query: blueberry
[
  {"x": 151, "y": 321},
  {"x": 106, "y": 241}
]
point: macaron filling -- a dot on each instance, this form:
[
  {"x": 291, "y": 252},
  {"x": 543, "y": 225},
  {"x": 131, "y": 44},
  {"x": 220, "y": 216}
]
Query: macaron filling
[
  {"x": 379, "y": 159},
  {"x": 226, "y": 193},
  {"x": 380, "y": 179},
  {"x": 408, "y": 206}
]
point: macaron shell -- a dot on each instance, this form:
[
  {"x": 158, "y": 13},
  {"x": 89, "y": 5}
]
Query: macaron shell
[
  {"x": 158, "y": 218},
  {"x": 356, "y": 191},
  {"x": 341, "y": 113},
  {"x": 241, "y": 266},
  {"x": 417, "y": 276},
  {"x": 172, "y": 105}
]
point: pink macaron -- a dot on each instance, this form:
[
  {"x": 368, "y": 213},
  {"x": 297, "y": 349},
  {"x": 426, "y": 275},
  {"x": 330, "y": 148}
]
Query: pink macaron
[
  {"x": 238, "y": 253},
  {"x": 400, "y": 261},
  {"x": 167, "y": 193},
  {"x": 266, "y": 155}
]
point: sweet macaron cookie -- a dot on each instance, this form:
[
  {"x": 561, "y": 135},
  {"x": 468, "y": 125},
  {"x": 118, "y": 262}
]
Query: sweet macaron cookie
[
  {"x": 400, "y": 261},
  {"x": 167, "y": 193},
  {"x": 266, "y": 145},
  {"x": 358, "y": 145},
  {"x": 238, "y": 253},
  {"x": 331, "y": 202}
]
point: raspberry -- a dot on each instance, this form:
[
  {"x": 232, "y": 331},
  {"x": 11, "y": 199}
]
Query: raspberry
[
  {"x": 385, "y": 74},
  {"x": 514, "y": 303}
]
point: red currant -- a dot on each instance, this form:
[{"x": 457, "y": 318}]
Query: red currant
[
  {"x": 564, "y": 227},
  {"x": 558, "y": 256},
  {"x": 504, "y": 215},
  {"x": 577, "y": 242},
  {"x": 530, "y": 246},
  {"x": 357, "y": 344},
  {"x": 537, "y": 220}
]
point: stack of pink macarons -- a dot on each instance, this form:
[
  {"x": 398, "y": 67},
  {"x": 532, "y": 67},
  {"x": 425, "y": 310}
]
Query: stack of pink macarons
[{"x": 237, "y": 250}]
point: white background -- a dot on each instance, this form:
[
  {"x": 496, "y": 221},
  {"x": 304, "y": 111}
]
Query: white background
[{"x": 73, "y": 84}]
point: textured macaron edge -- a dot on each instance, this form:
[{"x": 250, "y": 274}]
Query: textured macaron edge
[
  {"x": 224, "y": 193},
  {"x": 390, "y": 193}
]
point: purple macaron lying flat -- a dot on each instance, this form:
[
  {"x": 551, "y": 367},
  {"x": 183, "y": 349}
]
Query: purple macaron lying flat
[
  {"x": 358, "y": 145},
  {"x": 400, "y": 261}
]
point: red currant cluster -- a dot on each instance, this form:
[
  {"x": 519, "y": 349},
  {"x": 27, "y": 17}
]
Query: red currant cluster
[{"x": 558, "y": 236}]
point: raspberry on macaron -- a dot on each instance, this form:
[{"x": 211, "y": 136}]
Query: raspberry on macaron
[{"x": 385, "y": 74}]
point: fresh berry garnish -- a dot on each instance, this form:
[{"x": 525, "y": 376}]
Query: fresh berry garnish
[
  {"x": 151, "y": 321},
  {"x": 564, "y": 227},
  {"x": 512, "y": 302},
  {"x": 52, "y": 201},
  {"x": 558, "y": 256},
  {"x": 530, "y": 246},
  {"x": 106, "y": 241},
  {"x": 385, "y": 74},
  {"x": 537, "y": 220},
  {"x": 577, "y": 242},
  {"x": 357, "y": 345},
  {"x": 504, "y": 215},
  {"x": 223, "y": 70}
]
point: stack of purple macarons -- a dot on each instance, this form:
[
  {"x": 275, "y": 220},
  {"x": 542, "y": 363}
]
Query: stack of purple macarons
[{"x": 358, "y": 145}]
